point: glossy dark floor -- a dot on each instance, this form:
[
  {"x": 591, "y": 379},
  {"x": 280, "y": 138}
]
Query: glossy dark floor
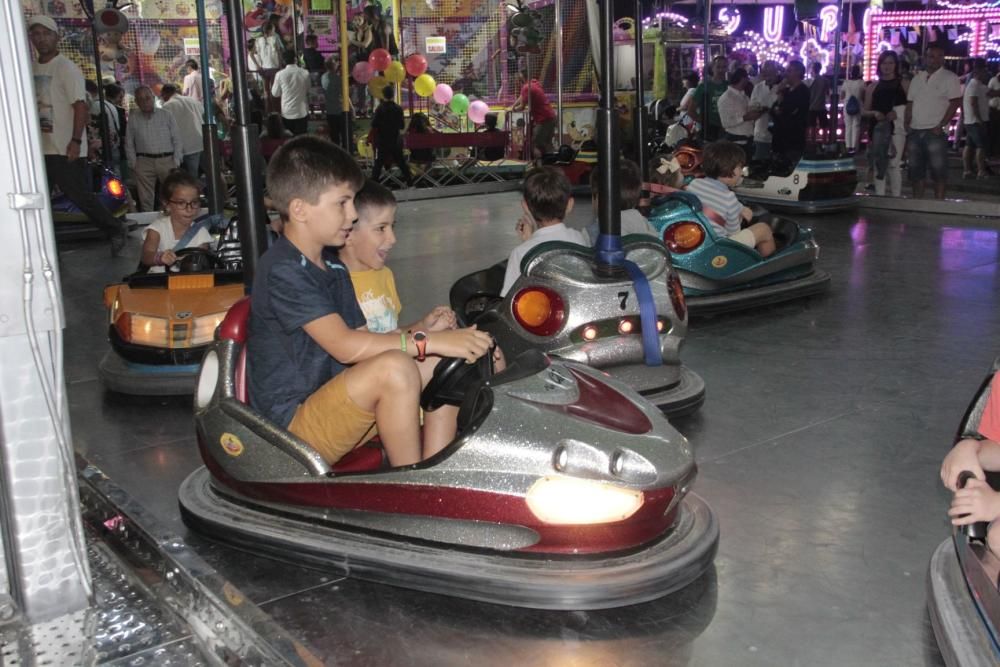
[{"x": 818, "y": 446}]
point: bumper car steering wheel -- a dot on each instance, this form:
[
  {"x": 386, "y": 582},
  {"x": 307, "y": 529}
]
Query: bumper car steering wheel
[
  {"x": 193, "y": 260},
  {"x": 453, "y": 378}
]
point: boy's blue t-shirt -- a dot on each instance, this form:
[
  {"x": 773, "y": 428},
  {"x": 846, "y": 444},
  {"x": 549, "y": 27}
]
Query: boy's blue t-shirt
[{"x": 285, "y": 365}]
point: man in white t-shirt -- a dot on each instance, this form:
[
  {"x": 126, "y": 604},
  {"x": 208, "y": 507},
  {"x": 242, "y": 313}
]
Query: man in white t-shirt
[
  {"x": 975, "y": 116},
  {"x": 63, "y": 114},
  {"x": 762, "y": 99},
  {"x": 735, "y": 113},
  {"x": 993, "y": 93},
  {"x": 292, "y": 85},
  {"x": 931, "y": 103},
  {"x": 189, "y": 114}
]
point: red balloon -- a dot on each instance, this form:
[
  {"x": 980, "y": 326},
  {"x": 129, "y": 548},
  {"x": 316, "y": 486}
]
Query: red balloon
[
  {"x": 416, "y": 65},
  {"x": 379, "y": 59}
]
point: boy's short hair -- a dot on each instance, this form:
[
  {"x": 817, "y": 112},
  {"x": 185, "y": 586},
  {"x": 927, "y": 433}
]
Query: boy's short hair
[
  {"x": 373, "y": 195},
  {"x": 629, "y": 184},
  {"x": 546, "y": 193},
  {"x": 305, "y": 167},
  {"x": 721, "y": 158}
]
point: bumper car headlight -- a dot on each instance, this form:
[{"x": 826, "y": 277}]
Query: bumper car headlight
[
  {"x": 564, "y": 500},
  {"x": 142, "y": 329},
  {"x": 204, "y": 328}
]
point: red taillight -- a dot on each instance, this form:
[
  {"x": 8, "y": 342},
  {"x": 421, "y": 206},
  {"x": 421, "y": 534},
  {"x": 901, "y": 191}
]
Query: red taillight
[
  {"x": 677, "y": 295},
  {"x": 682, "y": 237},
  {"x": 124, "y": 327},
  {"x": 115, "y": 187},
  {"x": 539, "y": 310}
]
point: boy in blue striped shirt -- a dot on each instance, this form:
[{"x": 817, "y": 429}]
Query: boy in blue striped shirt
[{"x": 723, "y": 163}]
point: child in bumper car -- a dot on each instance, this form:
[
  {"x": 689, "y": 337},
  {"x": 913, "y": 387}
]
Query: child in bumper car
[
  {"x": 977, "y": 501},
  {"x": 723, "y": 162},
  {"x": 630, "y": 186},
  {"x": 548, "y": 199},
  {"x": 313, "y": 367},
  {"x": 181, "y": 197},
  {"x": 364, "y": 253}
]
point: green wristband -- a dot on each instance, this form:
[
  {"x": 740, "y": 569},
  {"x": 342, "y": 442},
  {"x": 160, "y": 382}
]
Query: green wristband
[{"x": 402, "y": 341}]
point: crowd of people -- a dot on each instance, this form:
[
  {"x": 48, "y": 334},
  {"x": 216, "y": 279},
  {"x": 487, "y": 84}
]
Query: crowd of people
[{"x": 903, "y": 117}]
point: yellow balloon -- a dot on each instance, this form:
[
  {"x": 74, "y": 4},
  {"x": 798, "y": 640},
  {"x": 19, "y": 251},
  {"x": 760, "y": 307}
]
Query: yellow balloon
[
  {"x": 424, "y": 85},
  {"x": 395, "y": 72},
  {"x": 376, "y": 85}
]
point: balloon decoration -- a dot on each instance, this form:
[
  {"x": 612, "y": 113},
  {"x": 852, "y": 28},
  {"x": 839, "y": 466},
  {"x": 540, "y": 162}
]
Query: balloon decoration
[
  {"x": 395, "y": 72},
  {"x": 362, "y": 72},
  {"x": 459, "y": 104},
  {"x": 416, "y": 65},
  {"x": 377, "y": 85},
  {"x": 443, "y": 93},
  {"x": 424, "y": 85},
  {"x": 478, "y": 111},
  {"x": 379, "y": 60}
]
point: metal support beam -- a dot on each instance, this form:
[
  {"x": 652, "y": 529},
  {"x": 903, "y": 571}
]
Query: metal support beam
[
  {"x": 639, "y": 115},
  {"x": 248, "y": 168},
  {"x": 211, "y": 160}
]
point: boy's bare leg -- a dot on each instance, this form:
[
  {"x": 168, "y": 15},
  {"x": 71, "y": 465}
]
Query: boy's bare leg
[
  {"x": 441, "y": 425},
  {"x": 763, "y": 239},
  {"x": 389, "y": 385}
]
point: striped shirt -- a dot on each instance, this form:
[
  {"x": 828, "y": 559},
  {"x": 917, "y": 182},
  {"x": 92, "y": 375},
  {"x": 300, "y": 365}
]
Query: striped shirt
[
  {"x": 717, "y": 196},
  {"x": 153, "y": 134}
]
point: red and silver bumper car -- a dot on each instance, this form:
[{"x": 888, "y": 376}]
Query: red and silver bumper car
[{"x": 564, "y": 489}]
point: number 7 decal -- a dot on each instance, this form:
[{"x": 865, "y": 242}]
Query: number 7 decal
[{"x": 624, "y": 297}]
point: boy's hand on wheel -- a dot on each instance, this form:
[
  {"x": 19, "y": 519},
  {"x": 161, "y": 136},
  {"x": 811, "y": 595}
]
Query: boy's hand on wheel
[
  {"x": 963, "y": 456},
  {"x": 468, "y": 344},
  {"x": 976, "y": 502},
  {"x": 440, "y": 319}
]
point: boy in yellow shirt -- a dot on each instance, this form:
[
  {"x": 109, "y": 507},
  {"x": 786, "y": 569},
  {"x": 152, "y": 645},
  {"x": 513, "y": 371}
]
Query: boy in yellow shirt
[{"x": 364, "y": 254}]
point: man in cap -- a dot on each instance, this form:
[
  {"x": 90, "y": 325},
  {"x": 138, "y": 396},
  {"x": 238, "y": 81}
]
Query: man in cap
[{"x": 63, "y": 114}]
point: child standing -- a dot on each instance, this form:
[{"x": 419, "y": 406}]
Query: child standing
[
  {"x": 181, "y": 196},
  {"x": 547, "y": 201},
  {"x": 313, "y": 366},
  {"x": 723, "y": 163}
]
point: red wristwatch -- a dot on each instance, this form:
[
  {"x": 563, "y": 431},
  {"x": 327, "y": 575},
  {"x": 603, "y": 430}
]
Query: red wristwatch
[{"x": 420, "y": 340}]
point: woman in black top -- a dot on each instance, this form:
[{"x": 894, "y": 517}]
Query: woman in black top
[
  {"x": 885, "y": 103},
  {"x": 790, "y": 114}
]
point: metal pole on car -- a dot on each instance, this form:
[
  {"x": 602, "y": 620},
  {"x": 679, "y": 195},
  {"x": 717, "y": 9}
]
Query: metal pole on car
[
  {"x": 99, "y": 80},
  {"x": 835, "y": 94},
  {"x": 706, "y": 73},
  {"x": 639, "y": 115},
  {"x": 610, "y": 256},
  {"x": 210, "y": 157},
  {"x": 247, "y": 165},
  {"x": 559, "y": 74}
]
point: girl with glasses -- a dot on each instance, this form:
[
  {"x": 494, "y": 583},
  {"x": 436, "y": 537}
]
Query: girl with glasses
[{"x": 181, "y": 194}]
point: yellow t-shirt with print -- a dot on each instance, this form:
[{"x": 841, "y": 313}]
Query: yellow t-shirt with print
[{"x": 377, "y": 296}]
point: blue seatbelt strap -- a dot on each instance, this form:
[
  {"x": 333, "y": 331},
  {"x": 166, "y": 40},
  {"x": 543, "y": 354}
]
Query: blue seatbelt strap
[
  {"x": 647, "y": 314},
  {"x": 204, "y": 222}
]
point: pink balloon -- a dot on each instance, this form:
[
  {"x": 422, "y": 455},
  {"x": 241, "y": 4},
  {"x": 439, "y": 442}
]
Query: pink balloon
[
  {"x": 478, "y": 111},
  {"x": 362, "y": 72},
  {"x": 443, "y": 93},
  {"x": 379, "y": 59}
]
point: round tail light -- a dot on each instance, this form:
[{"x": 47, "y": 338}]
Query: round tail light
[
  {"x": 677, "y": 295},
  {"x": 683, "y": 237},
  {"x": 115, "y": 187},
  {"x": 539, "y": 310}
]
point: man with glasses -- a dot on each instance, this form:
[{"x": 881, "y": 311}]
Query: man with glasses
[{"x": 153, "y": 145}]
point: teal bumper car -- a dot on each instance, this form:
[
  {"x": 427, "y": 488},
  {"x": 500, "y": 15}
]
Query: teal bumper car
[{"x": 719, "y": 274}]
